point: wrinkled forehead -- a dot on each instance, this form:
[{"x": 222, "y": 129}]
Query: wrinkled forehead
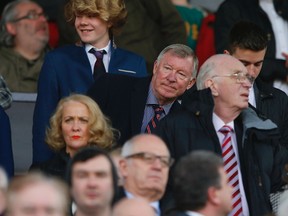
[
  {"x": 231, "y": 66},
  {"x": 151, "y": 145},
  {"x": 27, "y": 7}
]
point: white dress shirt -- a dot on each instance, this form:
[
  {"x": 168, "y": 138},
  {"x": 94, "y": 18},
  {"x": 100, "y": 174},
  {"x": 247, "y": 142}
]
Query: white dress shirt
[{"x": 218, "y": 124}]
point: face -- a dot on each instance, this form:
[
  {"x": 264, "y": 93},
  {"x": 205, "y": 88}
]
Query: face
[
  {"x": 30, "y": 201},
  {"x": 92, "y": 30},
  {"x": 227, "y": 92},
  {"x": 92, "y": 184},
  {"x": 171, "y": 77},
  {"x": 75, "y": 127},
  {"x": 142, "y": 178},
  {"x": 252, "y": 60},
  {"x": 29, "y": 30},
  {"x": 225, "y": 193}
]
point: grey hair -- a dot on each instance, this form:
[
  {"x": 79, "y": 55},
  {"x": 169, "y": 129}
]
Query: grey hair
[
  {"x": 3, "y": 179},
  {"x": 8, "y": 15},
  {"x": 205, "y": 72},
  {"x": 127, "y": 148},
  {"x": 182, "y": 51}
]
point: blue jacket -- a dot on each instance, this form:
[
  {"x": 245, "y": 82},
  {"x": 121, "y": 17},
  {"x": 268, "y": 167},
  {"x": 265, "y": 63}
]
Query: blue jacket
[
  {"x": 67, "y": 70},
  {"x": 6, "y": 153}
]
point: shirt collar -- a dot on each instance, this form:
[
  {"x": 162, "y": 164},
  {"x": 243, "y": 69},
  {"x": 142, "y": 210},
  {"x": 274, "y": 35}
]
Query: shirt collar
[
  {"x": 218, "y": 123},
  {"x": 151, "y": 100},
  {"x": 106, "y": 48}
]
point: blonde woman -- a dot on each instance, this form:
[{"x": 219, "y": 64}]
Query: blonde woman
[{"x": 76, "y": 123}]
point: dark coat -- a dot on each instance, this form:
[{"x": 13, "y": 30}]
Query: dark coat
[
  {"x": 273, "y": 104},
  {"x": 261, "y": 165},
  {"x": 56, "y": 166},
  {"x": 123, "y": 100},
  {"x": 232, "y": 11},
  {"x": 6, "y": 153}
]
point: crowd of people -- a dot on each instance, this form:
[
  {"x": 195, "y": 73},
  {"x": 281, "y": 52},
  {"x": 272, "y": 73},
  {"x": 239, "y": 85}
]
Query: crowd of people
[{"x": 126, "y": 121}]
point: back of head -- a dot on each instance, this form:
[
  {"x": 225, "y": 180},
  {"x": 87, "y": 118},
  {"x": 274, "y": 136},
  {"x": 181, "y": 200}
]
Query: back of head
[
  {"x": 133, "y": 207},
  {"x": 248, "y": 36},
  {"x": 193, "y": 175},
  {"x": 52, "y": 193}
]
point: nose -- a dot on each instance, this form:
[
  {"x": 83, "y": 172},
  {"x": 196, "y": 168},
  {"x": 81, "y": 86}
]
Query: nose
[
  {"x": 157, "y": 164},
  {"x": 247, "y": 83},
  {"x": 172, "y": 76},
  {"x": 252, "y": 70},
  {"x": 75, "y": 126}
]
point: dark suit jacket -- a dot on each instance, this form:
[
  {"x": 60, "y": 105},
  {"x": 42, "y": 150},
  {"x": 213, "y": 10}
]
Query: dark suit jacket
[
  {"x": 123, "y": 100},
  {"x": 67, "y": 70},
  {"x": 6, "y": 153}
]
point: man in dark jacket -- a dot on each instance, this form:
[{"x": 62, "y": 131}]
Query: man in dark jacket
[
  {"x": 232, "y": 11},
  {"x": 248, "y": 43},
  {"x": 253, "y": 140}
]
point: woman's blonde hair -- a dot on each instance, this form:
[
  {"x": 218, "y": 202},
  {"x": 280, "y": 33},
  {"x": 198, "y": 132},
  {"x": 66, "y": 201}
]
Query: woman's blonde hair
[
  {"x": 100, "y": 130},
  {"x": 111, "y": 11}
]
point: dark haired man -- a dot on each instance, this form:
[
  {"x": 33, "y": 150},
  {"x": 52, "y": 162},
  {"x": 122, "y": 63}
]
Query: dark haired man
[{"x": 92, "y": 178}]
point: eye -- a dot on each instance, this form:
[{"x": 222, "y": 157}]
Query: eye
[
  {"x": 181, "y": 75},
  {"x": 258, "y": 64}
]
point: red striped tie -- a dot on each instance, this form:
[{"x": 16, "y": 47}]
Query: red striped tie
[
  {"x": 231, "y": 168},
  {"x": 152, "y": 124}
]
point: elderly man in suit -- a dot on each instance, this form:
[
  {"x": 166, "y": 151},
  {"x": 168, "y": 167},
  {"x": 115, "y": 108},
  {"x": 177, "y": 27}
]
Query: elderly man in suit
[
  {"x": 74, "y": 68},
  {"x": 219, "y": 120},
  {"x": 142, "y": 101}
]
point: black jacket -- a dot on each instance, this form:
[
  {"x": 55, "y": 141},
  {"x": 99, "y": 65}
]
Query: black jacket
[
  {"x": 273, "y": 104},
  {"x": 54, "y": 167},
  {"x": 232, "y": 11},
  {"x": 257, "y": 140}
]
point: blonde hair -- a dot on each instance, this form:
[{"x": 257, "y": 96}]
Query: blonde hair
[
  {"x": 110, "y": 11},
  {"x": 101, "y": 133}
]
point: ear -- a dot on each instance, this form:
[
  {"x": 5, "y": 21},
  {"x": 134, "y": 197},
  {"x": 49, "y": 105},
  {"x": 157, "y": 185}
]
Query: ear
[
  {"x": 191, "y": 83},
  {"x": 226, "y": 52},
  {"x": 213, "y": 196},
  {"x": 123, "y": 167},
  {"x": 11, "y": 28},
  {"x": 210, "y": 84},
  {"x": 155, "y": 67}
]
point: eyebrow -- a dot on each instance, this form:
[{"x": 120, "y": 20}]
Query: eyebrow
[{"x": 248, "y": 62}]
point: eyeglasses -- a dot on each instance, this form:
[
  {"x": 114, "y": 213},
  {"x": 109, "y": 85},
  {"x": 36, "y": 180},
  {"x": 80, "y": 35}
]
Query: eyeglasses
[
  {"x": 150, "y": 158},
  {"x": 240, "y": 77},
  {"x": 180, "y": 75},
  {"x": 31, "y": 16}
]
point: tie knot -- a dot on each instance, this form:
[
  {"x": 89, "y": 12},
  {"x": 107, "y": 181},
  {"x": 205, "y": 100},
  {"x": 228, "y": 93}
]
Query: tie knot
[
  {"x": 158, "y": 109},
  {"x": 99, "y": 54},
  {"x": 225, "y": 129}
]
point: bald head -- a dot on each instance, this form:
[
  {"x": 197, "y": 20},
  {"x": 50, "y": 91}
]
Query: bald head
[
  {"x": 145, "y": 166},
  {"x": 133, "y": 207},
  {"x": 218, "y": 65}
]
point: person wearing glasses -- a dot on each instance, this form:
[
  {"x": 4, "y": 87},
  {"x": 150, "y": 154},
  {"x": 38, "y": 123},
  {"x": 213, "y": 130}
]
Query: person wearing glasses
[
  {"x": 24, "y": 37},
  {"x": 218, "y": 119},
  {"x": 145, "y": 167}
]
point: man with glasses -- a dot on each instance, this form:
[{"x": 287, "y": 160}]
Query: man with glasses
[
  {"x": 24, "y": 36},
  {"x": 218, "y": 119},
  {"x": 144, "y": 167}
]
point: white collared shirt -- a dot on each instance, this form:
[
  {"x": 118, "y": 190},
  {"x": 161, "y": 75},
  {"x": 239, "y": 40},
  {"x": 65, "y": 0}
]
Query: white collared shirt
[
  {"x": 279, "y": 26},
  {"x": 92, "y": 58},
  {"x": 218, "y": 124},
  {"x": 252, "y": 99},
  {"x": 154, "y": 205},
  {"x": 193, "y": 213}
]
